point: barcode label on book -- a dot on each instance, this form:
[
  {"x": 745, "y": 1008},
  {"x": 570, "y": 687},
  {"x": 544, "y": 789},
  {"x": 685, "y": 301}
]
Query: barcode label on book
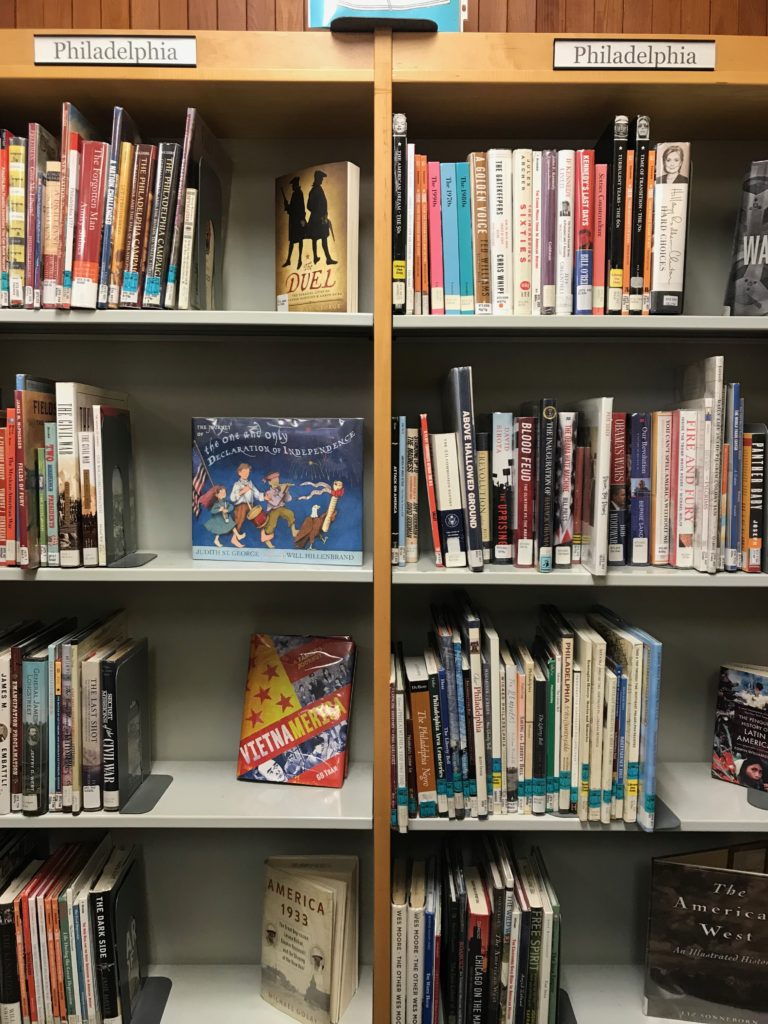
[{"x": 640, "y": 549}]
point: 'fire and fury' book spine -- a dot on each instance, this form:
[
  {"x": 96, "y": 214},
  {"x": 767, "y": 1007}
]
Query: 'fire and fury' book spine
[{"x": 683, "y": 487}]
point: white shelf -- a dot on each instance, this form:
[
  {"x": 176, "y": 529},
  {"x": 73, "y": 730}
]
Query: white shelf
[
  {"x": 206, "y": 794},
  {"x": 424, "y": 571},
  {"x": 604, "y": 328},
  {"x": 230, "y": 995},
  {"x": 180, "y": 567},
  {"x": 704, "y": 804},
  {"x": 184, "y": 322},
  {"x": 606, "y": 994}
]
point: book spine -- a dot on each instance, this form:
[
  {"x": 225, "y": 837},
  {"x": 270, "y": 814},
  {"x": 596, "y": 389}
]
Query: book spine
[
  {"x": 684, "y": 432},
  {"x": 480, "y": 233},
  {"x": 649, "y": 214},
  {"x": 539, "y": 764},
  {"x": 70, "y": 219},
  {"x": 466, "y": 259},
  {"x": 601, "y": 226},
  {"x": 448, "y": 499},
  {"x": 436, "y": 289},
  {"x": 110, "y": 198},
  {"x": 639, "y": 211},
  {"x": 91, "y": 718},
  {"x": 88, "y": 498},
  {"x": 51, "y": 495},
  {"x": 22, "y": 492},
  {"x": 400, "y": 201},
  {"x": 120, "y": 226},
  {"x": 670, "y": 227},
  {"x": 553, "y": 726},
  {"x": 105, "y": 958},
  {"x": 401, "y": 764},
  {"x": 396, "y": 487},
  {"x": 577, "y": 737},
  {"x": 51, "y": 232},
  {"x": 500, "y": 227},
  {"x": 17, "y": 176},
  {"x": 4, "y": 294},
  {"x": 525, "y": 490},
  {"x": 702, "y": 533},
  {"x": 90, "y": 222},
  {"x": 412, "y": 496},
  {"x": 10, "y": 996},
  {"x": 98, "y": 487},
  {"x": 627, "y": 257},
  {"x": 502, "y": 466},
  {"x": 54, "y": 727},
  {"x": 3, "y": 494},
  {"x": 482, "y": 454},
  {"x": 752, "y": 535},
  {"x": 732, "y": 557},
  {"x": 661, "y": 481},
  {"x": 549, "y": 182},
  {"x": 70, "y": 536},
  {"x": 566, "y": 467},
  {"x": 614, "y": 240},
  {"x": 583, "y": 301},
  {"x": 68, "y": 712},
  {"x": 639, "y": 488},
  {"x": 617, "y": 515},
  {"x": 37, "y": 280},
  {"x": 163, "y": 210},
  {"x": 564, "y": 279},
  {"x": 423, "y": 748},
  {"x": 578, "y": 502},
  {"x": 11, "y": 547},
  {"x": 646, "y": 805},
  {"x": 443, "y": 782},
  {"x": 33, "y": 148},
  {"x": 545, "y": 480},
  {"x": 426, "y": 454},
  {"x": 402, "y": 458},
  {"x": 620, "y": 757},
  {"x": 138, "y": 227},
  {"x": 450, "y": 224},
  {"x": 410, "y": 191},
  {"x": 536, "y": 233},
  {"x": 522, "y": 231},
  {"x": 42, "y": 518},
  {"x": 425, "y": 250},
  {"x": 419, "y": 239},
  {"x": 34, "y": 746},
  {"x": 178, "y": 223},
  {"x": 187, "y": 248},
  {"x": 462, "y": 408}
]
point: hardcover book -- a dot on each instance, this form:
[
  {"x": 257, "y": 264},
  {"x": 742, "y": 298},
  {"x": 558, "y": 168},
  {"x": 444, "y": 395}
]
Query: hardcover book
[
  {"x": 296, "y": 712},
  {"x": 740, "y": 749},
  {"x": 316, "y": 239},
  {"x": 747, "y": 291},
  {"x": 707, "y": 940},
  {"x": 278, "y": 490}
]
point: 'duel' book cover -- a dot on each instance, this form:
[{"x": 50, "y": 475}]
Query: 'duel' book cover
[
  {"x": 707, "y": 948},
  {"x": 278, "y": 490},
  {"x": 296, "y": 710},
  {"x": 740, "y": 749},
  {"x": 316, "y": 239}
]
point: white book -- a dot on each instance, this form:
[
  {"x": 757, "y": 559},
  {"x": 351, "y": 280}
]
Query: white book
[
  {"x": 415, "y": 944},
  {"x": 503, "y": 720},
  {"x": 527, "y": 665},
  {"x": 42, "y": 933},
  {"x": 705, "y": 380},
  {"x": 522, "y": 231},
  {"x": 410, "y": 205},
  {"x": 399, "y": 940},
  {"x": 187, "y": 248},
  {"x": 590, "y": 652},
  {"x": 610, "y": 684},
  {"x": 536, "y": 234},
  {"x": 5, "y": 731},
  {"x": 575, "y": 738},
  {"x": 661, "y": 472},
  {"x": 445, "y": 469},
  {"x": 685, "y": 505},
  {"x": 703, "y": 526},
  {"x": 490, "y": 647},
  {"x": 564, "y": 251},
  {"x": 500, "y": 228},
  {"x": 670, "y": 226},
  {"x": 90, "y": 711},
  {"x": 11, "y": 1012},
  {"x": 470, "y": 630},
  {"x": 508, "y": 672},
  {"x": 595, "y": 416},
  {"x": 583, "y": 720}
]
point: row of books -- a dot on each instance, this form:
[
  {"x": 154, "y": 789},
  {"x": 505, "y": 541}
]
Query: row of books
[
  {"x": 535, "y": 232},
  {"x": 74, "y": 716},
  {"x": 553, "y": 487},
  {"x": 86, "y": 223},
  {"x": 67, "y": 495},
  {"x": 72, "y": 931},
  {"x": 483, "y": 727},
  {"x": 475, "y": 937}
]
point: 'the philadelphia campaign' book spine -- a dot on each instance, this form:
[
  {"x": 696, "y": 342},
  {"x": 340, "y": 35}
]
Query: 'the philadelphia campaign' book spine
[
  {"x": 163, "y": 210},
  {"x": 460, "y": 415}
]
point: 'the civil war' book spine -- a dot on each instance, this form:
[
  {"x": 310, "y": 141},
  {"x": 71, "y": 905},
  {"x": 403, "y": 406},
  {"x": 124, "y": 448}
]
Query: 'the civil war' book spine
[
  {"x": 460, "y": 416},
  {"x": 525, "y": 490},
  {"x": 640, "y": 487},
  {"x": 478, "y": 169},
  {"x": 399, "y": 209},
  {"x": 612, "y": 150},
  {"x": 138, "y": 226},
  {"x": 395, "y": 463},
  {"x": 583, "y": 272},
  {"x": 502, "y": 464},
  {"x": 111, "y": 781},
  {"x": 617, "y": 514},
  {"x": 545, "y": 479},
  {"x": 640, "y": 131},
  {"x": 163, "y": 211}
]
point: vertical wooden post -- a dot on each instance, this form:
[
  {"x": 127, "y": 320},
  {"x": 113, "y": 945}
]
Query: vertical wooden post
[{"x": 382, "y": 570}]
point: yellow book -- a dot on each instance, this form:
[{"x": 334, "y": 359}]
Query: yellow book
[
  {"x": 17, "y": 179},
  {"x": 120, "y": 223}
]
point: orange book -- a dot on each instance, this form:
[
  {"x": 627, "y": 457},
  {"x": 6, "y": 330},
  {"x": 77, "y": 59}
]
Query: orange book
[
  {"x": 627, "y": 232},
  {"x": 422, "y": 165},
  {"x": 649, "y": 232},
  {"x": 423, "y": 748}
]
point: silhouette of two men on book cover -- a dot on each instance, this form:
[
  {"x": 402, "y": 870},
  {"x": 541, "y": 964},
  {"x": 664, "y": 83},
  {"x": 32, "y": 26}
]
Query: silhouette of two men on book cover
[{"x": 317, "y": 227}]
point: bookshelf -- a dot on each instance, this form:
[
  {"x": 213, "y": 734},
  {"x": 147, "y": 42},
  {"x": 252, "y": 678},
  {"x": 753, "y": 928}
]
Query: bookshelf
[{"x": 282, "y": 100}]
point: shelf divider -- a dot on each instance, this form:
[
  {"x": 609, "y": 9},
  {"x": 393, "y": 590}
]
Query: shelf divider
[
  {"x": 152, "y": 1001},
  {"x": 148, "y": 794}
]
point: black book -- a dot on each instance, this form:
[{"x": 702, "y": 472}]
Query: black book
[
  {"x": 125, "y": 723},
  {"x": 161, "y": 225},
  {"x": 396, "y": 487},
  {"x": 400, "y": 200},
  {"x": 497, "y": 897},
  {"x": 484, "y": 492},
  {"x": 521, "y": 989},
  {"x": 10, "y": 992},
  {"x": 449, "y": 960},
  {"x": 611, "y": 149},
  {"x": 640, "y": 140},
  {"x": 546, "y": 478},
  {"x": 535, "y": 944},
  {"x": 460, "y": 420}
]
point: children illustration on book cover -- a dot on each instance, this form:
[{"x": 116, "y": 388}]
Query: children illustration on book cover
[
  {"x": 278, "y": 490},
  {"x": 740, "y": 752}
]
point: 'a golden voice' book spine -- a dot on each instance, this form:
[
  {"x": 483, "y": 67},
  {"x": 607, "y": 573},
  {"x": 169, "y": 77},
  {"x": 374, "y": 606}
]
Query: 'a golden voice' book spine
[{"x": 478, "y": 169}]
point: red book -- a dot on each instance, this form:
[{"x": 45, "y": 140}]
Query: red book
[
  {"x": 478, "y": 941},
  {"x": 426, "y": 453},
  {"x": 598, "y": 263},
  {"x": 437, "y": 297},
  {"x": 3, "y": 498},
  {"x": 94, "y": 165},
  {"x": 617, "y": 513},
  {"x": 74, "y": 129},
  {"x": 41, "y": 147},
  {"x": 10, "y": 487},
  {"x": 525, "y": 490}
]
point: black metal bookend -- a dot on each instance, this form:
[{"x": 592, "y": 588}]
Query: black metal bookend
[
  {"x": 147, "y": 795},
  {"x": 151, "y": 1004},
  {"x": 666, "y": 820},
  {"x": 565, "y": 1013},
  {"x": 758, "y": 798},
  {"x": 134, "y": 561}
]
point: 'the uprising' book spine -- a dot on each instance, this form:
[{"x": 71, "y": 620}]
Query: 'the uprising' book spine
[{"x": 502, "y": 464}]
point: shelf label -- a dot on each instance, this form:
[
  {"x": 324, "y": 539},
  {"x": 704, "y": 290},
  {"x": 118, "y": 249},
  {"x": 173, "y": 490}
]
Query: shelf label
[
  {"x": 120, "y": 51},
  {"x": 634, "y": 55}
]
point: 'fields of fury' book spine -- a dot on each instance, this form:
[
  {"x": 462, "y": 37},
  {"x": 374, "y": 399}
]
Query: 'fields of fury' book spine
[
  {"x": 399, "y": 200},
  {"x": 612, "y": 150},
  {"x": 460, "y": 416},
  {"x": 640, "y": 487}
]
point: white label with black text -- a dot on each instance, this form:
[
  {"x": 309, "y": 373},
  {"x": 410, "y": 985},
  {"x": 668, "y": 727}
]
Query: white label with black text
[
  {"x": 634, "y": 54},
  {"x": 128, "y": 51}
]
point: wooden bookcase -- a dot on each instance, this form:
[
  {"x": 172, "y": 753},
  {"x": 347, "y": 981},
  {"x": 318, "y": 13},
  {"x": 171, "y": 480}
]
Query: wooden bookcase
[{"x": 283, "y": 100}]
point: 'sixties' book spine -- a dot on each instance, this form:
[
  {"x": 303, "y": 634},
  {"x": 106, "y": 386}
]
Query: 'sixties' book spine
[
  {"x": 426, "y": 455},
  {"x": 94, "y": 168},
  {"x": 536, "y": 233},
  {"x": 640, "y": 487},
  {"x": 598, "y": 263},
  {"x": 436, "y": 292},
  {"x": 617, "y": 514},
  {"x": 641, "y": 130},
  {"x": 502, "y": 466},
  {"x": 478, "y": 171},
  {"x": 522, "y": 229},
  {"x": 583, "y": 272},
  {"x": 525, "y": 490},
  {"x": 399, "y": 211}
]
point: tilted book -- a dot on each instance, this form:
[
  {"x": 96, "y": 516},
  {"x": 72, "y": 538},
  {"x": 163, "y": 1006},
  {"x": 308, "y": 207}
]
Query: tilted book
[
  {"x": 316, "y": 239},
  {"x": 747, "y": 291},
  {"x": 278, "y": 490},
  {"x": 296, "y": 711},
  {"x": 740, "y": 749}
]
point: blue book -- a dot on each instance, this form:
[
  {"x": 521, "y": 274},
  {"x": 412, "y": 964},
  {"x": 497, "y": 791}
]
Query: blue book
[
  {"x": 639, "y": 488},
  {"x": 402, "y": 460},
  {"x": 450, "y": 221},
  {"x": 621, "y": 737},
  {"x": 466, "y": 259},
  {"x": 123, "y": 130},
  {"x": 649, "y": 727},
  {"x": 734, "y": 431},
  {"x": 461, "y": 710},
  {"x": 430, "y": 905}
]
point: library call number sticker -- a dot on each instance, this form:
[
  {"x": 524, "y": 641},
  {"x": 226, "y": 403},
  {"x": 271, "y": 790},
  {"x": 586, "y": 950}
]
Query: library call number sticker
[
  {"x": 121, "y": 51},
  {"x": 634, "y": 55}
]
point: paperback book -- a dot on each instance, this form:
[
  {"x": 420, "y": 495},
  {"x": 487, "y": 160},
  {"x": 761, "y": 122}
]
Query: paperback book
[{"x": 740, "y": 749}]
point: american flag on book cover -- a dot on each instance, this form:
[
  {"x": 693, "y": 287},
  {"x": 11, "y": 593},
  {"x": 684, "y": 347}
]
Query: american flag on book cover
[
  {"x": 199, "y": 479},
  {"x": 296, "y": 710}
]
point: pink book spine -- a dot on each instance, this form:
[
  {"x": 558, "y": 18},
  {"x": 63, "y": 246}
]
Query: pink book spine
[
  {"x": 674, "y": 482},
  {"x": 435, "y": 239},
  {"x": 598, "y": 268}
]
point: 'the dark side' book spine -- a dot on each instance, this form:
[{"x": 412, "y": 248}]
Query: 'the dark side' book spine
[{"x": 105, "y": 954}]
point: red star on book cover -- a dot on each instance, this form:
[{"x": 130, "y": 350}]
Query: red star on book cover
[{"x": 296, "y": 712}]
